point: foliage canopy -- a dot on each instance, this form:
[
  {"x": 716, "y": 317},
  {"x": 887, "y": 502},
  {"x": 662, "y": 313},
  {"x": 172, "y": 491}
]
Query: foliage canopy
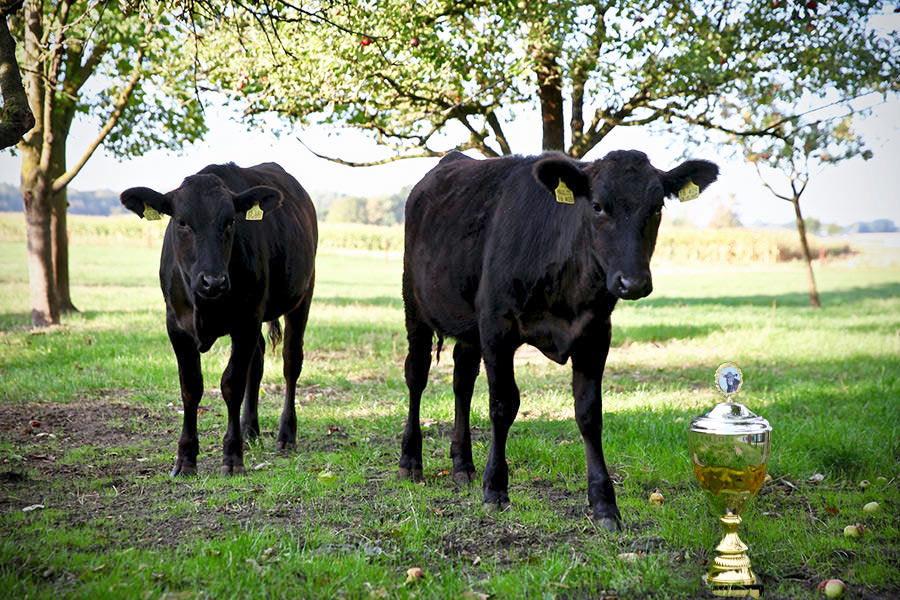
[{"x": 425, "y": 77}]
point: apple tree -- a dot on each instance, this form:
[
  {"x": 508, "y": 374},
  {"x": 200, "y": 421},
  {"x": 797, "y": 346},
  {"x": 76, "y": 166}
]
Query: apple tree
[
  {"x": 113, "y": 64},
  {"x": 422, "y": 78}
]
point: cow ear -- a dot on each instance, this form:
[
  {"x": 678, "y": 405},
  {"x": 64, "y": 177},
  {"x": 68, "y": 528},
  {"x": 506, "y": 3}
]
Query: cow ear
[
  {"x": 146, "y": 203},
  {"x": 689, "y": 178},
  {"x": 257, "y": 201},
  {"x": 553, "y": 170}
]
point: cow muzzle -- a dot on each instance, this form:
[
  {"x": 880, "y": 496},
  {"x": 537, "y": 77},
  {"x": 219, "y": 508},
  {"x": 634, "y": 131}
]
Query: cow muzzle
[
  {"x": 212, "y": 285},
  {"x": 631, "y": 287}
]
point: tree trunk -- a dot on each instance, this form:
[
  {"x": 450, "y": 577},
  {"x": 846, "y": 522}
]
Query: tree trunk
[
  {"x": 42, "y": 288},
  {"x": 16, "y": 117},
  {"x": 801, "y": 229},
  {"x": 59, "y": 203},
  {"x": 36, "y": 186},
  {"x": 60, "y": 241},
  {"x": 549, "y": 81}
]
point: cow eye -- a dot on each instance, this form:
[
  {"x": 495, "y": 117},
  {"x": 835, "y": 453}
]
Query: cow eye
[
  {"x": 598, "y": 207},
  {"x": 182, "y": 224}
]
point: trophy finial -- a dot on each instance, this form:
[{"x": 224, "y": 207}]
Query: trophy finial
[{"x": 729, "y": 379}]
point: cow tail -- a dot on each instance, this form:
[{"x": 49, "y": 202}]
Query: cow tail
[
  {"x": 440, "y": 344},
  {"x": 275, "y": 336}
]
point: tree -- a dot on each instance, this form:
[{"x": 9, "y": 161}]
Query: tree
[
  {"x": 424, "y": 78},
  {"x": 799, "y": 111},
  {"x": 16, "y": 118},
  {"x": 347, "y": 209},
  {"x": 111, "y": 62},
  {"x": 788, "y": 158},
  {"x": 724, "y": 216}
]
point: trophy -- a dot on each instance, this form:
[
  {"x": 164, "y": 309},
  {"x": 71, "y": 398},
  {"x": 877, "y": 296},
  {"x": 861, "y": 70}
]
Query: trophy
[{"x": 729, "y": 448}]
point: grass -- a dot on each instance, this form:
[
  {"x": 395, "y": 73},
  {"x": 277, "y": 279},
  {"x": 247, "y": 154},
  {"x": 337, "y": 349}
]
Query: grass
[{"x": 103, "y": 388}]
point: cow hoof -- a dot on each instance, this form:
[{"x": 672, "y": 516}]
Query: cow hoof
[
  {"x": 415, "y": 473},
  {"x": 610, "y": 524},
  {"x": 495, "y": 506},
  {"x": 464, "y": 477},
  {"x": 232, "y": 469},
  {"x": 285, "y": 446},
  {"x": 183, "y": 469}
]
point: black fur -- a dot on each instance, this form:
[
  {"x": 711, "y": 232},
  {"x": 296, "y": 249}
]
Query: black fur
[
  {"x": 494, "y": 261},
  {"x": 222, "y": 274}
]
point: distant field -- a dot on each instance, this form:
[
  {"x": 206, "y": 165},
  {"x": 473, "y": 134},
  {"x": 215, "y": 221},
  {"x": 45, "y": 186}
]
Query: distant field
[
  {"x": 90, "y": 420},
  {"x": 676, "y": 244}
]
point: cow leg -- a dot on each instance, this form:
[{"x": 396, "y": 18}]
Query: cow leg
[
  {"x": 588, "y": 362},
  {"x": 234, "y": 382},
  {"x": 504, "y": 405},
  {"x": 418, "y": 362},
  {"x": 466, "y": 362},
  {"x": 250, "y": 417},
  {"x": 294, "y": 328},
  {"x": 191, "y": 379}
]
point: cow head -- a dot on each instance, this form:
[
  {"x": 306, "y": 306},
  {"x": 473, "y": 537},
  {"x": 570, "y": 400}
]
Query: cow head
[
  {"x": 204, "y": 213},
  {"x": 625, "y": 195}
]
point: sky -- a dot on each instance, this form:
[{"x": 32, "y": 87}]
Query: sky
[{"x": 851, "y": 191}]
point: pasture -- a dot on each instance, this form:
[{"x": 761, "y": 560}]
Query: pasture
[{"x": 90, "y": 418}]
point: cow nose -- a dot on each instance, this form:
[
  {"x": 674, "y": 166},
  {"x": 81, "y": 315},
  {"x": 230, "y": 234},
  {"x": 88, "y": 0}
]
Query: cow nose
[
  {"x": 213, "y": 285},
  {"x": 633, "y": 287}
]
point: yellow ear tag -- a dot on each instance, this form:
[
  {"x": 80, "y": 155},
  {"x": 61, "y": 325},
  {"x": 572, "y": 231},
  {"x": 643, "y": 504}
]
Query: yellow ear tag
[
  {"x": 255, "y": 213},
  {"x": 151, "y": 214},
  {"x": 690, "y": 191},
  {"x": 563, "y": 194}
]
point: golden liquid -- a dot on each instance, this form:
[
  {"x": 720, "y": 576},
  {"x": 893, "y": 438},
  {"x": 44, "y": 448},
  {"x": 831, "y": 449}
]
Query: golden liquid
[{"x": 722, "y": 480}]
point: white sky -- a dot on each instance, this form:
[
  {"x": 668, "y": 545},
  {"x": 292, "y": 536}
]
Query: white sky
[{"x": 855, "y": 190}]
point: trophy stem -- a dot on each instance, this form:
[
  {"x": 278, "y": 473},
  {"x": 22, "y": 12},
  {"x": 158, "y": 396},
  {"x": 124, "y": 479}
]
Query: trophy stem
[{"x": 730, "y": 574}]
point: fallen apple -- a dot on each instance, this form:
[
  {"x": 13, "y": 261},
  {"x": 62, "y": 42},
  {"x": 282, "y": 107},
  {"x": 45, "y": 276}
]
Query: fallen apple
[
  {"x": 871, "y": 508},
  {"x": 832, "y": 588}
]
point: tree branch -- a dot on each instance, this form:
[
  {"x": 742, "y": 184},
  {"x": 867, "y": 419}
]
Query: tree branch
[
  {"x": 56, "y": 53},
  {"x": 64, "y": 179},
  {"x": 494, "y": 123},
  {"x": 768, "y": 186},
  {"x": 424, "y": 154},
  {"x": 477, "y": 139},
  {"x": 583, "y": 143},
  {"x": 16, "y": 118}
]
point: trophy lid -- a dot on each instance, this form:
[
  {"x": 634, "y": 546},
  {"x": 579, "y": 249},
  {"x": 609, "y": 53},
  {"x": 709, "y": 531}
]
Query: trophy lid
[{"x": 730, "y": 418}]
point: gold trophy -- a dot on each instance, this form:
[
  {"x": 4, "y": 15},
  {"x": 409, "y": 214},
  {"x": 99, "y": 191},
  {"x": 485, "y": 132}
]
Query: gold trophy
[{"x": 729, "y": 448}]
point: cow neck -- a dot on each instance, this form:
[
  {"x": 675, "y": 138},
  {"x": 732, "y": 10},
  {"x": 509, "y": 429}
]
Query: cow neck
[{"x": 582, "y": 274}]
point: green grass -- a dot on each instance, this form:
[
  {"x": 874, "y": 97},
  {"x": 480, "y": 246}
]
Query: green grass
[{"x": 114, "y": 524}]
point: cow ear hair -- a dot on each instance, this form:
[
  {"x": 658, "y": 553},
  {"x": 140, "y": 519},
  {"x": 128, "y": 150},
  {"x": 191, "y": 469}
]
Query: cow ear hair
[
  {"x": 551, "y": 170},
  {"x": 267, "y": 198},
  {"x": 139, "y": 199},
  {"x": 699, "y": 172}
]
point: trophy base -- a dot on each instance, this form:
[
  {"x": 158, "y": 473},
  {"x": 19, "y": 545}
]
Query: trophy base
[
  {"x": 749, "y": 590},
  {"x": 730, "y": 575}
]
